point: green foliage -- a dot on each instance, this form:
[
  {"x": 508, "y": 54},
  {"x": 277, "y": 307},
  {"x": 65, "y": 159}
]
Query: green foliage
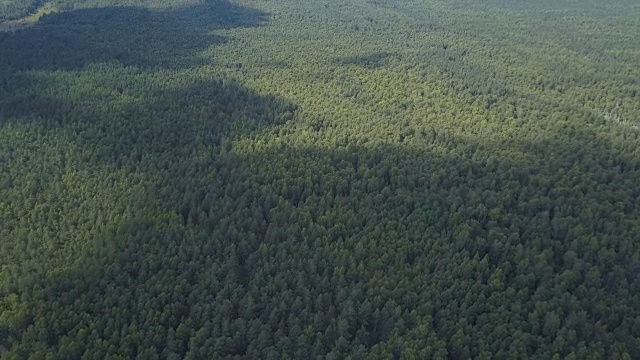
[
  {"x": 16, "y": 9},
  {"x": 363, "y": 179}
]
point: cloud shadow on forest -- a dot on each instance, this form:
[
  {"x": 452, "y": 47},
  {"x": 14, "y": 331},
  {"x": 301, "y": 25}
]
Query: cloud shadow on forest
[
  {"x": 122, "y": 111},
  {"x": 160, "y": 125},
  {"x": 167, "y": 38},
  {"x": 408, "y": 188},
  {"x": 188, "y": 129}
]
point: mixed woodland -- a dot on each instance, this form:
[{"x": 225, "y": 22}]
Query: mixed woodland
[{"x": 331, "y": 179}]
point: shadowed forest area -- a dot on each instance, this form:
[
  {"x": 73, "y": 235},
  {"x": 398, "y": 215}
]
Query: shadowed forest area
[
  {"x": 129, "y": 35},
  {"x": 320, "y": 180}
]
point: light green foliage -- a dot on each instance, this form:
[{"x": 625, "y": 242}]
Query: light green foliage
[
  {"x": 363, "y": 179},
  {"x": 15, "y": 9}
]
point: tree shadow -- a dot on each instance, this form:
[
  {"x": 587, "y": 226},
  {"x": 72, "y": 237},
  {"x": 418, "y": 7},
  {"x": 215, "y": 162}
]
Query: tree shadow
[{"x": 167, "y": 38}]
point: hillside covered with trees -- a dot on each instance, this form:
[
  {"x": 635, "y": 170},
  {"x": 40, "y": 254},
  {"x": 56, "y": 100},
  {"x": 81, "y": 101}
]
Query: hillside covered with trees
[{"x": 334, "y": 179}]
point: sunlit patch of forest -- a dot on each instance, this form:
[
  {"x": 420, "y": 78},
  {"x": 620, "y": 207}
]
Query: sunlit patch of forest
[{"x": 334, "y": 179}]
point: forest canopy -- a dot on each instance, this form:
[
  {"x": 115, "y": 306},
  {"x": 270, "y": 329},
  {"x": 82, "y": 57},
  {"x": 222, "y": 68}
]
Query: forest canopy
[{"x": 362, "y": 179}]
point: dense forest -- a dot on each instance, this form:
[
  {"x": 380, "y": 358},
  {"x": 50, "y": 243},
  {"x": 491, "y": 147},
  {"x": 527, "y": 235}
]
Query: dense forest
[{"x": 334, "y": 179}]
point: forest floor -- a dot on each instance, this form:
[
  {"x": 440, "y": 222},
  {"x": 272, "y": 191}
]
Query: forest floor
[{"x": 14, "y": 25}]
